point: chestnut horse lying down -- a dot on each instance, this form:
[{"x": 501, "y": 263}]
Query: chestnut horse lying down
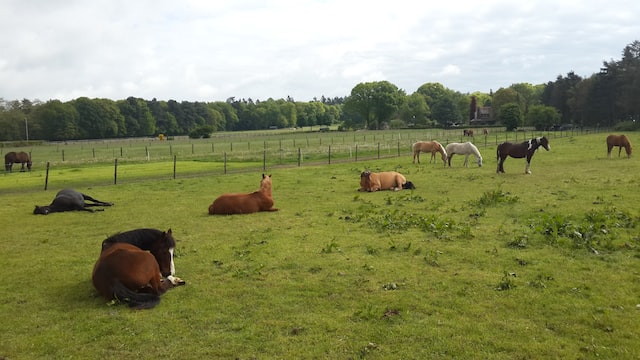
[
  {"x": 260, "y": 200},
  {"x": 388, "y": 180}
]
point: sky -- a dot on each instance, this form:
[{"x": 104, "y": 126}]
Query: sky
[{"x": 203, "y": 50}]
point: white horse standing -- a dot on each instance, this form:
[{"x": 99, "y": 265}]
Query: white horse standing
[{"x": 465, "y": 149}]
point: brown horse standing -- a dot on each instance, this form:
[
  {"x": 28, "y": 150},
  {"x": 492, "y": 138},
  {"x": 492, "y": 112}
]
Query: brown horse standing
[
  {"x": 429, "y": 146},
  {"x": 621, "y": 141},
  {"x": 468, "y": 133},
  {"x": 388, "y": 180},
  {"x": 260, "y": 200},
  {"x": 127, "y": 273},
  {"x": 524, "y": 149},
  {"x": 17, "y": 158},
  {"x": 485, "y": 132}
]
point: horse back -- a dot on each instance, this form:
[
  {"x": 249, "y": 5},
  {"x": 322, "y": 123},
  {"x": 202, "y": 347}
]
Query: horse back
[
  {"x": 228, "y": 204},
  {"x": 135, "y": 268},
  {"x": 388, "y": 180}
]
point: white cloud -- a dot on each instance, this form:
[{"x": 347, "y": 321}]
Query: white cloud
[{"x": 206, "y": 51}]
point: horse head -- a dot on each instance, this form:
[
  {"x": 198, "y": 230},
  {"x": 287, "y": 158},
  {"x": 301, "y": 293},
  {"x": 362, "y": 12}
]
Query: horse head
[
  {"x": 479, "y": 161},
  {"x": 542, "y": 141},
  {"x": 42, "y": 210},
  {"x": 162, "y": 250},
  {"x": 365, "y": 179}
]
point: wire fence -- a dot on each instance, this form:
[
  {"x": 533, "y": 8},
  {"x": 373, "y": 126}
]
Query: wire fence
[{"x": 126, "y": 160}]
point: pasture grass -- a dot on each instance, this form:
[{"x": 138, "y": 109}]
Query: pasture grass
[{"x": 471, "y": 264}]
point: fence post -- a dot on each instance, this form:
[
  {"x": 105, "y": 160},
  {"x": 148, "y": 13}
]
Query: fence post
[
  {"x": 329, "y": 154},
  {"x": 264, "y": 160},
  {"x": 299, "y": 157},
  {"x": 46, "y": 178},
  {"x": 115, "y": 172},
  {"x": 356, "y": 152},
  {"x": 225, "y": 162},
  {"x": 62, "y": 154},
  {"x": 378, "y": 150},
  {"x": 174, "y": 166}
]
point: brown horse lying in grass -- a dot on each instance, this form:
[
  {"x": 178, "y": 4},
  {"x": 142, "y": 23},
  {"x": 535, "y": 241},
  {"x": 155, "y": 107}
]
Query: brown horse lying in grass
[
  {"x": 621, "y": 141},
  {"x": 389, "y": 180},
  {"x": 260, "y": 200}
]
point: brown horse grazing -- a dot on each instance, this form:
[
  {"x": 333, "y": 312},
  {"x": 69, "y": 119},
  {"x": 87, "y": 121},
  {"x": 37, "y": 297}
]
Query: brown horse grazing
[
  {"x": 621, "y": 141},
  {"x": 160, "y": 243},
  {"x": 129, "y": 274},
  {"x": 389, "y": 180},
  {"x": 70, "y": 200},
  {"x": 260, "y": 200},
  {"x": 468, "y": 133},
  {"x": 17, "y": 158},
  {"x": 524, "y": 149},
  {"x": 429, "y": 146}
]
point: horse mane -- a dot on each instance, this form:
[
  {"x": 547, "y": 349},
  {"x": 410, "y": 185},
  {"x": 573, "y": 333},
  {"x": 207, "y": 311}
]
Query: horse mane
[{"x": 142, "y": 238}]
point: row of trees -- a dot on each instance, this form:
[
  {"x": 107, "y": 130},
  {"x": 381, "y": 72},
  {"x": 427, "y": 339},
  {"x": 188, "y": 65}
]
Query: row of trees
[
  {"x": 85, "y": 118},
  {"x": 606, "y": 98}
]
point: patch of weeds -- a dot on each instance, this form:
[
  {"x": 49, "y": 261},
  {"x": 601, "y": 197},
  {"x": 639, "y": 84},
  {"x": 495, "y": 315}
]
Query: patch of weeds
[
  {"x": 367, "y": 349},
  {"x": 372, "y": 251},
  {"x": 507, "y": 282},
  {"x": 369, "y": 312},
  {"x": 436, "y": 226},
  {"x": 540, "y": 281},
  {"x": 596, "y": 230},
  {"x": 431, "y": 258},
  {"x": 315, "y": 269},
  {"x": 519, "y": 242},
  {"x": 330, "y": 248},
  {"x": 494, "y": 198},
  {"x": 390, "y": 286},
  {"x": 248, "y": 271}
]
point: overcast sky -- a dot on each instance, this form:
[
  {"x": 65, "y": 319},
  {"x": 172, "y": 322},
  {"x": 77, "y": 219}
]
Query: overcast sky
[{"x": 205, "y": 50}]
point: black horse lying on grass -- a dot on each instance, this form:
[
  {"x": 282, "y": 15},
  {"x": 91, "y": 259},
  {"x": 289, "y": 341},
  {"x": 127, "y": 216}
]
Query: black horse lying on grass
[{"x": 70, "y": 200}]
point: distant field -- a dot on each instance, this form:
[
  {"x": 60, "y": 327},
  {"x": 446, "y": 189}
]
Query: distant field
[
  {"x": 471, "y": 264},
  {"x": 122, "y": 160}
]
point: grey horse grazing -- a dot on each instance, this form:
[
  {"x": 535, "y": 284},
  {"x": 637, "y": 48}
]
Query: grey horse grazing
[{"x": 70, "y": 200}]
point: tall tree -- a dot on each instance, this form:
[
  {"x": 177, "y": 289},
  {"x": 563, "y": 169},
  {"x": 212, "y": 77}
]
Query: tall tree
[{"x": 375, "y": 102}]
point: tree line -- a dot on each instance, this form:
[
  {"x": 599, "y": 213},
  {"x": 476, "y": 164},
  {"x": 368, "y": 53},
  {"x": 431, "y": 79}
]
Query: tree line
[{"x": 607, "y": 98}]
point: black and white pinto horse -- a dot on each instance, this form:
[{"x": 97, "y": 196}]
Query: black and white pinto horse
[
  {"x": 70, "y": 200},
  {"x": 524, "y": 149}
]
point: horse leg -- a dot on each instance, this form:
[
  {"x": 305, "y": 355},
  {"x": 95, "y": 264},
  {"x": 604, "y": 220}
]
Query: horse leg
[
  {"x": 619, "y": 151},
  {"x": 501, "y": 164},
  {"x": 96, "y": 202},
  {"x": 527, "y": 169},
  {"x": 466, "y": 160},
  {"x": 433, "y": 156},
  {"x": 416, "y": 154}
]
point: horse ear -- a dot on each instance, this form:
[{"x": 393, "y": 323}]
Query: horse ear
[
  {"x": 169, "y": 231},
  {"x": 263, "y": 176}
]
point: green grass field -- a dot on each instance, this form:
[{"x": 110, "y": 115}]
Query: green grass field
[{"x": 471, "y": 264}]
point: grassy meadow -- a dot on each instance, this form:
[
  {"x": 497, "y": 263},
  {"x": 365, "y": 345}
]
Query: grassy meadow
[{"x": 471, "y": 264}]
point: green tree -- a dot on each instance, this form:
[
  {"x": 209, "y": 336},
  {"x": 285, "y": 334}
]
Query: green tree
[
  {"x": 137, "y": 117},
  {"x": 445, "y": 110},
  {"x": 542, "y": 117},
  {"x": 416, "y": 111},
  {"x": 502, "y": 97},
  {"x": 56, "y": 121},
  {"x": 510, "y": 116},
  {"x": 99, "y": 118},
  {"x": 375, "y": 102}
]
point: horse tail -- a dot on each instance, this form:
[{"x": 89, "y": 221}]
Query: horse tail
[{"x": 135, "y": 299}]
